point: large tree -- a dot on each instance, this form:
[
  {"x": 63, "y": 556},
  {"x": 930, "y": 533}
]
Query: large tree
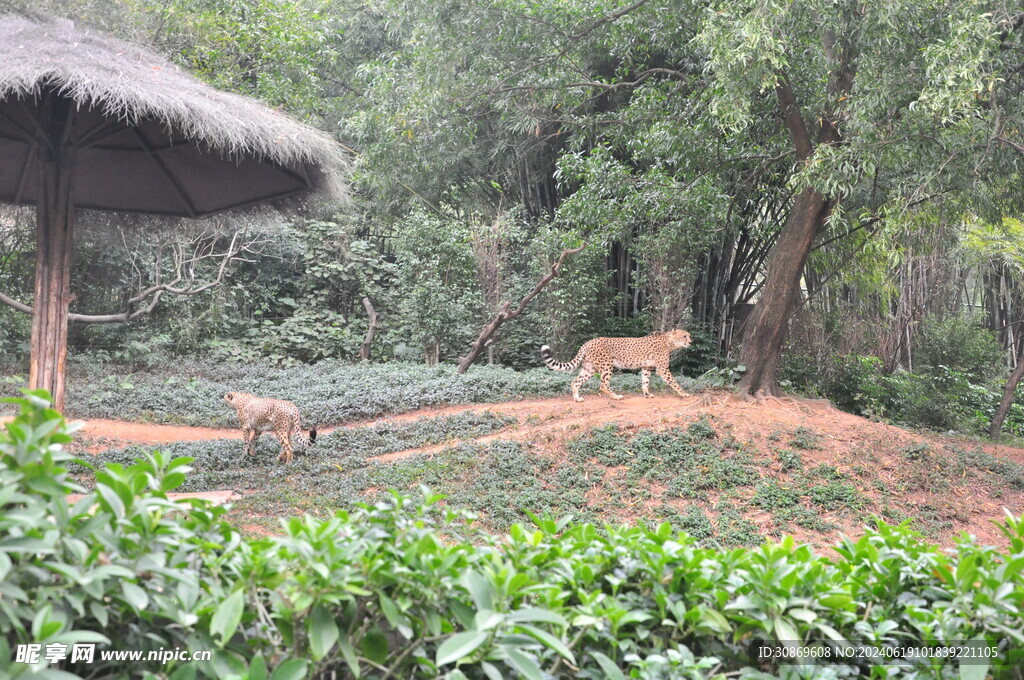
[{"x": 867, "y": 91}]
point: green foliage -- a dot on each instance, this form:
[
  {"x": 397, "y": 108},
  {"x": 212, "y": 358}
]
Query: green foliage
[
  {"x": 691, "y": 462},
  {"x": 410, "y": 586},
  {"x": 123, "y": 567},
  {"x": 956, "y": 344},
  {"x": 327, "y": 393},
  {"x": 436, "y": 288},
  {"x": 944, "y": 398},
  {"x": 805, "y": 438},
  {"x": 325, "y": 318}
]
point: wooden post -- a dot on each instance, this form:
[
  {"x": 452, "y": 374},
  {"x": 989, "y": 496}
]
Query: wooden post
[{"x": 54, "y": 228}]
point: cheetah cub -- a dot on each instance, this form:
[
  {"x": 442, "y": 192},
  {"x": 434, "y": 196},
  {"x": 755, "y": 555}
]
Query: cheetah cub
[
  {"x": 258, "y": 415},
  {"x": 601, "y": 355}
]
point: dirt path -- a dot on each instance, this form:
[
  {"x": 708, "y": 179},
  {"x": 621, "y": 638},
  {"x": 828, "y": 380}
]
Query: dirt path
[
  {"x": 538, "y": 418},
  {"x": 553, "y": 419}
]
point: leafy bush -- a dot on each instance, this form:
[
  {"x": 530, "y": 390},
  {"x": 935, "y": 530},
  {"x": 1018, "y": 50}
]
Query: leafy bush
[
  {"x": 942, "y": 398},
  {"x": 123, "y": 566},
  {"x": 408, "y": 589},
  {"x": 954, "y": 343}
]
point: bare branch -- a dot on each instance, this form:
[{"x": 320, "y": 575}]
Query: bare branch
[
  {"x": 486, "y": 336},
  {"x": 364, "y": 351},
  {"x": 200, "y": 248}
]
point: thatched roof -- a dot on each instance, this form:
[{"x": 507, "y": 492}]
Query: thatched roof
[{"x": 114, "y": 79}]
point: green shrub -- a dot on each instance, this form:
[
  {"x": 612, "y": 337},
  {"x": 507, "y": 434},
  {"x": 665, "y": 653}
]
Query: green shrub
[
  {"x": 124, "y": 566},
  {"x": 942, "y": 398},
  {"x": 957, "y": 344},
  {"x": 408, "y": 589}
]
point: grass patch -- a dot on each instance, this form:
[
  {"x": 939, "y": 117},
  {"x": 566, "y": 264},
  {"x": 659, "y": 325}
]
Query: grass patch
[
  {"x": 790, "y": 460},
  {"x": 836, "y": 496},
  {"x": 690, "y": 462},
  {"x": 805, "y": 438},
  {"x": 771, "y": 495}
]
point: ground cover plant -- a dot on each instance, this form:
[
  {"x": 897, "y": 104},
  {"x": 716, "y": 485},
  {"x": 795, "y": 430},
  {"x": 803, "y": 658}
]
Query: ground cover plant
[
  {"x": 407, "y": 588},
  {"x": 730, "y": 491},
  {"x": 327, "y": 393}
]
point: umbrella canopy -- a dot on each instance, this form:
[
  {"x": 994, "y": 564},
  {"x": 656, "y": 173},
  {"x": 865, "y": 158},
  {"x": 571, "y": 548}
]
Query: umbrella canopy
[
  {"x": 88, "y": 121},
  {"x": 147, "y": 136}
]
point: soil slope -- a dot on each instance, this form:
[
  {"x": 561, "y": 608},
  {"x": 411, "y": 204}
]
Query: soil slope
[{"x": 890, "y": 467}]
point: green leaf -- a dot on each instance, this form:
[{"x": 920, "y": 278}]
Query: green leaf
[
  {"x": 172, "y": 481},
  {"x": 801, "y": 614},
  {"x": 480, "y": 590},
  {"x": 977, "y": 669},
  {"x": 135, "y": 596},
  {"x": 490, "y": 671},
  {"x": 611, "y": 670},
  {"x": 459, "y": 646},
  {"x": 349, "y": 654},
  {"x": 524, "y": 664},
  {"x": 532, "y": 614},
  {"x": 292, "y": 669},
  {"x": 714, "y": 621},
  {"x": 549, "y": 641},
  {"x": 227, "y": 617},
  {"x": 323, "y": 632},
  {"x": 258, "y": 668},
  {"x": 784, "y": 631},
  {"x": 375, "y": 647}
]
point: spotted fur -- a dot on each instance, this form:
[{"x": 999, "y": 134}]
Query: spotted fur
[
  {"x": 601, "y": 355},
  {"x": 259, "y": 414}
]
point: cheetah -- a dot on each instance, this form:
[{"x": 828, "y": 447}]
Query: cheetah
[
  {"x": 258, "y": 415},
  {"x": 601, "y": 355}
]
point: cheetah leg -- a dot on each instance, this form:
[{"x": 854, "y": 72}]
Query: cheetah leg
[
  {"x": 584, "y": 376},
  {"x": 645, "y": 381},
  {"x": 286, "y": 445},
  {"x": 665, "y": 375},
  {"x": 606, "y": 385},
  {"x": 249, "y": 435}
]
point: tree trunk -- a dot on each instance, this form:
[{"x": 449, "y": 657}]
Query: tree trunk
[
  {"x": 1004, "y": 406},
  {"x": 54, "y": 226},
  {"x": 765, "y": 330}
]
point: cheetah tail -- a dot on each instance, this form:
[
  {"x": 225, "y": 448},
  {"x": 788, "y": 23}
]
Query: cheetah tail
[
  {"x": 312, "y": 436},
  {"x": 545, "y": 354}
]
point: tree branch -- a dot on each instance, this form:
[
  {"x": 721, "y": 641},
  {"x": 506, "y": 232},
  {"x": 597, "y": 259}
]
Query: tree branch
[
  {"x": 364, "y": 351},
  {"x": 794, "y": 121},
  {"x": 184, "y": 270},
  {"x": 504, "y": 314}
]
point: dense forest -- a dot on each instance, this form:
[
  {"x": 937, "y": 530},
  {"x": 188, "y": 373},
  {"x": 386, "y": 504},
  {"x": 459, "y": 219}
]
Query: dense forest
[{"x": 825, "y": 194}]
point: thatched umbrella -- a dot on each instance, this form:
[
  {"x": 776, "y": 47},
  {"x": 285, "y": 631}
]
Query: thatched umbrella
[{"x": 88, "y": 121}]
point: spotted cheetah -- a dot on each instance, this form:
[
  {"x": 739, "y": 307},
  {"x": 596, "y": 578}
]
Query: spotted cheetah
[
  {"x": 258, "y": 415},
  {"x": 601, "y": 355}
]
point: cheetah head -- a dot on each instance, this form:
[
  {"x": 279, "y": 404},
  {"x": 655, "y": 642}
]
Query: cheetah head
[
  {"x": 678, "y": 338},
  {"x": 232, "y": 398}
]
